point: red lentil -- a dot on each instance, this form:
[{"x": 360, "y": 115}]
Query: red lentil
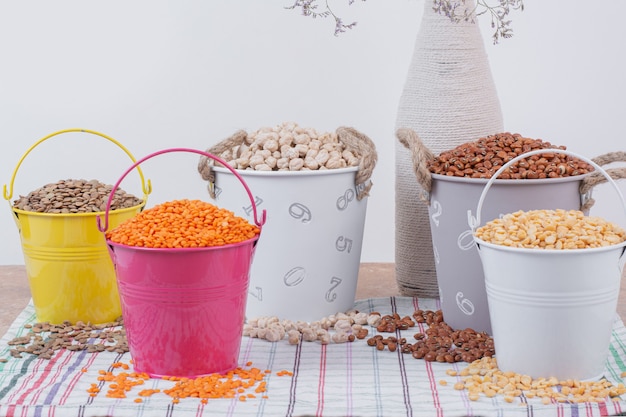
[
  {"x": 239, "y": 383},
  {"x": 183, "y": 224}
]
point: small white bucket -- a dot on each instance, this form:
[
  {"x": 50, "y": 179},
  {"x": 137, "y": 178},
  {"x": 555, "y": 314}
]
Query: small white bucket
[
  {"x": 460, "y": 275},
  {"x": 306, "y": 264},
  {"x": 551, "y": 311}
]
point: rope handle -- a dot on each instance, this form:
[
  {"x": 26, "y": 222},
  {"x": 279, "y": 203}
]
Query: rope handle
[
  {"x": 354, "y": 141},
  {"x": 259, "y": 221},
  {"x": 146, "y": 186},
  {"x": 205, "y": 164},
  {"x": 596, "y": 178},
  {"x": 360, "y": 144},
  {"x": 420, "y": 154}
]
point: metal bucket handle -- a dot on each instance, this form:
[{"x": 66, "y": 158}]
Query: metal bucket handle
[
  {"x": 474, "y": 222},
  {"x": 258, "y": 222},
  {"x": 146, "y": 187}
]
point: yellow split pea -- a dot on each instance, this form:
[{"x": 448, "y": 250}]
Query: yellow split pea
[
  {"x": 551, "y": 229},
  {"x": 483, "y": 378}
]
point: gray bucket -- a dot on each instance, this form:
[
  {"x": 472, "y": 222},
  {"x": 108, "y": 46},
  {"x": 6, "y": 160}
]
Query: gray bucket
[{"x": 460, "y": 274}]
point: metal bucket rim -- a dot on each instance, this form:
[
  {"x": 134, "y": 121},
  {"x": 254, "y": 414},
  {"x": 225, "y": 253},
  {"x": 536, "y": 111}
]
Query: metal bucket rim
[
  {"x": 316, "y": 172},
  {"x": 82, "y": 214},
  {"x": 526, "y": 181},
  {"x": 250, "y": 241},
  {"x": 548, "y": 252}
]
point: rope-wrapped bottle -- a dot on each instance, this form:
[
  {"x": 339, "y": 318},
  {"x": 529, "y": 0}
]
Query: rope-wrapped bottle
[{"x": 449, "y": 98}]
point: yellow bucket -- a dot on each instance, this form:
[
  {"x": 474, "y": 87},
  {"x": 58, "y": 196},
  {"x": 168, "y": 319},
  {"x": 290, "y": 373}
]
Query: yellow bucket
[{"x": 70, "y": 273}]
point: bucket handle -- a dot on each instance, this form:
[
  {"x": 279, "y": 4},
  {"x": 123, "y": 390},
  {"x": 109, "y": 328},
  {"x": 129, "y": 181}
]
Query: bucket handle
[
  {"x": 146, "y": 187},
  {"x": 474, "y": 222},
  {"x": 421, "y": 155},
  {"x": 259, "y": 222}
]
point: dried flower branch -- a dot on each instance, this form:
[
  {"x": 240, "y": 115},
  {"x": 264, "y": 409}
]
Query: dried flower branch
[
  {"x": 309, "y": 8},
  {"x": 455, "y": 10}
]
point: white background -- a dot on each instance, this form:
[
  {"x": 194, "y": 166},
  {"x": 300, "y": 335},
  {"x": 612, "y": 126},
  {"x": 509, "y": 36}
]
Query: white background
[{"x": 156, "y": 74}]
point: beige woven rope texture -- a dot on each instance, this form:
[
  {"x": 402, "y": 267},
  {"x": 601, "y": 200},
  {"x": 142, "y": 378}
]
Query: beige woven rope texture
[
  {"x": 597, "y": 178},
  {"x": 449, "y": 98}
]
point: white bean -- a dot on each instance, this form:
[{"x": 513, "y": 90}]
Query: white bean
[
  {"x": 280, "y": 145},
  {"x": 296, "y": 164}
]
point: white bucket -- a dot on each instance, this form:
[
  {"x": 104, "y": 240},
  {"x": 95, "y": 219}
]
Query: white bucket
[
  {"x": 306, "y": 264},
  {"x": 460, "y": 274},
  {"x": 552, "y": 311}
]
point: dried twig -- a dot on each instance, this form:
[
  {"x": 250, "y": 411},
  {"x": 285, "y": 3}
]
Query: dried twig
[
  {"x": 457, "y": 11},
  {"x": 453, "y": 9},
  {"x": 309, "y": 8}
]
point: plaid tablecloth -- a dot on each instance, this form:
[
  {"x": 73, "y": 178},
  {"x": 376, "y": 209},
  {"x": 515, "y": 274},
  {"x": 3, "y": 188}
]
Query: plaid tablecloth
[{"x": 346, "y": 379}]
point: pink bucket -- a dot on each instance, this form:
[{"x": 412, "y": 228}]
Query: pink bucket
[{"x": 183, "y": 309}]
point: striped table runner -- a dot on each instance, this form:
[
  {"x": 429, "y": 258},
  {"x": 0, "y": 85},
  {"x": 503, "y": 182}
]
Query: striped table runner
[{"x": 348, "y": 379}]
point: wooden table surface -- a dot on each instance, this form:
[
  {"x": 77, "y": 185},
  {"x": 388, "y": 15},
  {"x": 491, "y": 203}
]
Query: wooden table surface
[{"x": 375, "y": 280}]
